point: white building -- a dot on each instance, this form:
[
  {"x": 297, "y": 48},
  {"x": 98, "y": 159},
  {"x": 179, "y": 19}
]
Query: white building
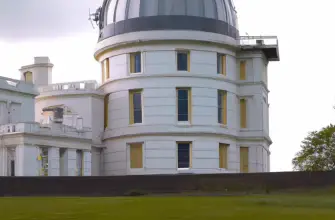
[{"x": 181, "y": 92}]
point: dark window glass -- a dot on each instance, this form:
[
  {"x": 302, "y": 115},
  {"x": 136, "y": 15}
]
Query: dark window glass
[
  {"x": 137, "y": 63},
  {"x": 137, "y": 102},
  {"x": 182, "y": 105},
  {"x": 219, "y": 64},
  {"x": 184, "y": 155},
  {"x": 182, "y": 61},
  {"x": 220, "y": 107}
]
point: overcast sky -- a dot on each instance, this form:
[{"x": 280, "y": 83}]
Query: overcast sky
[{"x": 301, "y": 85}]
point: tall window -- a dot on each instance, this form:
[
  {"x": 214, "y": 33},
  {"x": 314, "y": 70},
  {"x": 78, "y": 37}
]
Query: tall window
[
  {"x": 244, "y": 159},
  {"x": 136, "y": 155},
  {"x": 184, "y": 155},
  {"x": 106, "y": 102},
  {"x": 243, "y": 70},
  {"x": 135, "y": 62},
  {"x": 105, "y": 70},
  {"x": 243, "y": 113},
  {"x": 221, "y": 64},
  {"x": 183, "y": 60},
  {"x": 222, "y": 107},
  {"x": 184, "y": 104},
  {"x": 223, "y": 155},
  {"x": 135, "y": 104}
]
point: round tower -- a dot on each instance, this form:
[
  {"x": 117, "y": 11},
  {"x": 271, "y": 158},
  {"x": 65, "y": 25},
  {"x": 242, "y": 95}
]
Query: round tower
[{"x": 171, "y": 74}]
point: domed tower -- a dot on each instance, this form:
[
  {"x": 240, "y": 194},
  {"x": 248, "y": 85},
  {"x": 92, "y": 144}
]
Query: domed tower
[{"x": 183, "y": 91}]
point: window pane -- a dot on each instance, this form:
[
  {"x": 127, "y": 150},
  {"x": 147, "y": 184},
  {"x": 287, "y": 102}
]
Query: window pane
[
  {"x": 182, "y": 117},
  {"x": 219, "y": 99},
  {"x": 137, "y": 63},
  {"x": 219, "y": 64},
  {"x": 183, "y": 155},
  {"x": 182, "y": 94},
  {"x": 137, "y": 101},
  {"x": 220, "y": 115},
  {"x": 182, "y": 61},
  {"x": 137, "y": 116},
  {"x": 182, "y": 106}
]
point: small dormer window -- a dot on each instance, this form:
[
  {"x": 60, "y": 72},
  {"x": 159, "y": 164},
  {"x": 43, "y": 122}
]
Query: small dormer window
[{"x": 28, "y": 76}]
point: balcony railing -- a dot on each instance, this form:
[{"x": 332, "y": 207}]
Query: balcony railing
[
  {"x": 258, "y": 41},
  {"x": 80, "y": 85},
  {"x": 46, "y": 129}
]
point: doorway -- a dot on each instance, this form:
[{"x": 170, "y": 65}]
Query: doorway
[{"x": 11, "y": 161}]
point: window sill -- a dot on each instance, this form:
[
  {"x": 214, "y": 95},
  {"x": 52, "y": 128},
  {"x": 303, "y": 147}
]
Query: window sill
[
  {"x": 184, "y": 124},
  {"x": 139, "y": 73},
  {"x": 183, "y": 71},
  {"x": 136, "y": 124},
  {"x": 184, "y": 170},
  {"x": 223, "y": 125}
]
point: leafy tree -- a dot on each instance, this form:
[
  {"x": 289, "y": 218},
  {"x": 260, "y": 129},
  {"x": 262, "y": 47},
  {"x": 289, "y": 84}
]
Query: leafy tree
[{"x": 318, "y": 151}]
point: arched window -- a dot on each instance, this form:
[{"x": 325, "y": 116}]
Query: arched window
[{"x": 28, "y": 77}]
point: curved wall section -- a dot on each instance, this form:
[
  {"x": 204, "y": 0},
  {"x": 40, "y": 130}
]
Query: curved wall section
[{"x": 145, "y": 121}]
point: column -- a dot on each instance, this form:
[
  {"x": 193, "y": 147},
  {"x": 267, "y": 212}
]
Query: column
[
  {"x": 3, "y": 161},
  {"x": 71, "y": 162},
  {"x": 26, "y": 162},
  {"x": 87, "y": 163},
  {"x": 53, "y": 161}
]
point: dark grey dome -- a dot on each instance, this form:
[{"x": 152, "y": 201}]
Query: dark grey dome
[{"x": 124, "y": 16}]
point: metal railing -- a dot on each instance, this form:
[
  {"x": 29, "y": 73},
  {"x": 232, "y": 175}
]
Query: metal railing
[
  {"x": 80, "y": 85},
  {"x": 258, "y": 41}
]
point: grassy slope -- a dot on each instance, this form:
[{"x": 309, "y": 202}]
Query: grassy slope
[{"x": 312, "y": 206}]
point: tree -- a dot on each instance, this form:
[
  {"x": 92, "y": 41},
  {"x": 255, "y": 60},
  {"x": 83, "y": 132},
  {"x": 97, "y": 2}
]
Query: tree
[{"x": 318, "y": 151}]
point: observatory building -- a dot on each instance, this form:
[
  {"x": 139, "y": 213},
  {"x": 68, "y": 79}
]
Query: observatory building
[{"x": 181, "y": 92}]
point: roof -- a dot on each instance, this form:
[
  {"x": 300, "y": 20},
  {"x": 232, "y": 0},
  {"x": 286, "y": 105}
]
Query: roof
[{"x": 124, "y": 16}]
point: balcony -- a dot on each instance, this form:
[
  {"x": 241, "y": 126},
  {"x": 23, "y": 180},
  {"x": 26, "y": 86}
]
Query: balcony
[
  {"x": 90, "y": 85},
  {"x": 267, "y": 44},
  {"x": 46, "y": 129}
]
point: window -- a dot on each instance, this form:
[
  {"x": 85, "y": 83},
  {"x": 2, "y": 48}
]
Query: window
[
  {"x": 223, "y": 156},
  {"x": 135, "y": 103},
  {"x": 135, "y": 62},
  {"x": 222, "y": 107},
  {"x": 244, "y": 159},
  {"x": 184, "y": 155},
  {"x": 136, "y": 155},
  {"x": 106, "y": 102},
  {"x": 105, "y": 70},
  {"x": 184, "y": 104},
  {"x": 221, "y": 64},
  {"x": 243, "y": 113},
  {"x": 183, "y": 60},
  {"x": 28, "y": 77},
  {"x": 243, "y": 70}
]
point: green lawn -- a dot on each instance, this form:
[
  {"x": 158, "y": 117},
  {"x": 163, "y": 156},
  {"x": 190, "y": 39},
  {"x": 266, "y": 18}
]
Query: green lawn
[{"x": 269, "y": 207}]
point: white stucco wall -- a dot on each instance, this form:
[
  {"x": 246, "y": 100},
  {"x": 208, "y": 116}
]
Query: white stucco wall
[
  {"x": 160, "y": 129},
  {"x": 20, "y": 106}
]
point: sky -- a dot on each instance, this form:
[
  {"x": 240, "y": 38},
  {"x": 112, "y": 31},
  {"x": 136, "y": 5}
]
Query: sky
[{"x": 301, "y": 99}]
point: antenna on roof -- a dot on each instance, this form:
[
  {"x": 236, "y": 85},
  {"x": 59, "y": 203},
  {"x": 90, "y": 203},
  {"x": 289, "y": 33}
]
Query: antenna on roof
[{"x": 94, "y": 17}]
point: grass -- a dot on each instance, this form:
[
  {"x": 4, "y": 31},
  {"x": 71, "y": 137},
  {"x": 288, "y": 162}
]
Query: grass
[{"x": 281, "y": 206}]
